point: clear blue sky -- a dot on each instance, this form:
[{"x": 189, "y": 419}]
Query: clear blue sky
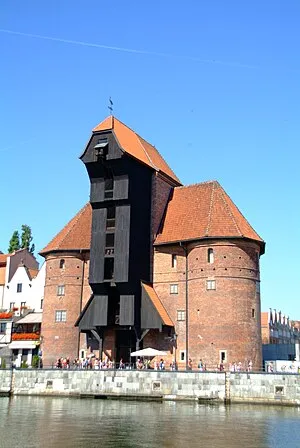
[{"x": 214, "y": 85}]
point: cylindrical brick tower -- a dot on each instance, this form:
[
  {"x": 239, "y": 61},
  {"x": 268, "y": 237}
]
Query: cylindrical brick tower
[{"x": 66, "y": 292}]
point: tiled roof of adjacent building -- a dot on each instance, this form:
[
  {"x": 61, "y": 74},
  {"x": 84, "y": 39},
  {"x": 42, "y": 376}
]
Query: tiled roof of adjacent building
[
  {"x": 76, "y": 235},
  {"x": 136, "y": 146},
  {"x": 203, "y": 211},
  {"x": 3, "y": 258},
  {"x": 194, "y": 212}
]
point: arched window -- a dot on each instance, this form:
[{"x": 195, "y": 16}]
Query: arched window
[
  {"x": 62, "y": 264},
  {"x": 210, "y": 256}
]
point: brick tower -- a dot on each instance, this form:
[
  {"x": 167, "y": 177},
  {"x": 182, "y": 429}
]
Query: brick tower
[{"x": 151, "y": 263}]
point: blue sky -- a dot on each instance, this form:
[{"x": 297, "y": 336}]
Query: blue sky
[{"x": 214, "y": 85}]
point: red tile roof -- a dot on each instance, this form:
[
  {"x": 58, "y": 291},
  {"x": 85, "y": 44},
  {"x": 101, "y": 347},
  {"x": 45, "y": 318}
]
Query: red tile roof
[
  {"x": 158, "y": 304},
  {"x": 203, "y": 211},
  {"x": 3, "y": 258},
  {"x": 75, "y": 235},
  {"x": 136, "y": 146}
]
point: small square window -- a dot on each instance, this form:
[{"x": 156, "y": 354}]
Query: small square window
[
  {"x": 253, "y": 312},
  {"x": 11, "y": 305},
  {"x": 19, "y": 287},
  {"x": 110, "y": 240},
  {"x": 61, "y": 290},
  {"x": 3, "y": 327},
  {"x": 180, "y": 315},
  {"x": 60, "y": 316},
  {"x": 174, "y": 289},
  {"x": 23, "y": 304},
  {"x": 210, "y": 284},
  {"x": 174, "y": 261}
]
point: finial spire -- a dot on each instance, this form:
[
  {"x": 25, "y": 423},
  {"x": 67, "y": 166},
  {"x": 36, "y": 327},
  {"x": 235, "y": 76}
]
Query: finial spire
[{"x": 110, "y": 106}]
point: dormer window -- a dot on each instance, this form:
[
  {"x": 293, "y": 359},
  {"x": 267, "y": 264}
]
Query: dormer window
[
  {"x": 100, "y": 149},
  {"x": 109, "y": 188},
  {"x": 210, "y": 256}
]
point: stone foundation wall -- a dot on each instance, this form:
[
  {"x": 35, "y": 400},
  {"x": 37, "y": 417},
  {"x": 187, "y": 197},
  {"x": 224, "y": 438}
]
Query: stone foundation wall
[{"x": 240, "y": 387}]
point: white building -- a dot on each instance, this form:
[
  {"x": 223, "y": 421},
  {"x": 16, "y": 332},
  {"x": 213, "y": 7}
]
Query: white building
[{"x": 25, "y": 290}]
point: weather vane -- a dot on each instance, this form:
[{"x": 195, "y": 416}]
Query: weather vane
[{"x": 110, "y": 107}]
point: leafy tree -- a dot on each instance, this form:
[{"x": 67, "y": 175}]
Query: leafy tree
[
  {"x": 26, "y": 238},
  {"x": 14, "y": 243}
]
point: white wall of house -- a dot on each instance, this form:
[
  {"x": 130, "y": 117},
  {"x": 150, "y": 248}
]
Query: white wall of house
[
  {"x": 5, "y": 336},
  {"x": 22, "y": 290}
]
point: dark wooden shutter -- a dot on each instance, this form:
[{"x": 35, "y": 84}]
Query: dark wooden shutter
[
  {"x": 97, "y": 246},
  {"x": 97, "y": 191},
  {"x": 122, "y": 233},
  {"x": 100, "y": 311},
  {"x": 120, "y": 187},
  {"x": 126, "y": 310}
]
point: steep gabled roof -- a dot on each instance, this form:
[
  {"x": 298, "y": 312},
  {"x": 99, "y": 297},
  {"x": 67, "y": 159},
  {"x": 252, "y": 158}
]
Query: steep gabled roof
[
  {"x": 76, "y": 235},
  {"x": 136, "y": 146},
  {"x": 203, "y": 211}
]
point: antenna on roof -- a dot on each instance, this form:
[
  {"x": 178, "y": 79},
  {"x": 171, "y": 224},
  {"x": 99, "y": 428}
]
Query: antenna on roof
[{"x": 110, "y": 106}]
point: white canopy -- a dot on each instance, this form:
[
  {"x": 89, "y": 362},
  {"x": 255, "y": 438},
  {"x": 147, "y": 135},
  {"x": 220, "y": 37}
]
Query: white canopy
[{"x": 148, "y": 352}]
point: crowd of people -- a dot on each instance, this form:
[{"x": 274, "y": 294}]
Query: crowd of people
[{"x": 93, "y": 362}]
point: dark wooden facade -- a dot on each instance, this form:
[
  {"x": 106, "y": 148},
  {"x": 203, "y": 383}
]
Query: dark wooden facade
[{"x": 121, "y": 245}]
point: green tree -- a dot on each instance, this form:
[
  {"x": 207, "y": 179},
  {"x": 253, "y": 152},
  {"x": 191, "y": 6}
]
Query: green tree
[
  {"x": 14, "y": 243},
  {"x": 26, "y": 238}
]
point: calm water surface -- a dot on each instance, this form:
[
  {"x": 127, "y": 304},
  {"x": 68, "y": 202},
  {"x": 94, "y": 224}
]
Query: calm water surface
[{"x": 62, "y": 422}]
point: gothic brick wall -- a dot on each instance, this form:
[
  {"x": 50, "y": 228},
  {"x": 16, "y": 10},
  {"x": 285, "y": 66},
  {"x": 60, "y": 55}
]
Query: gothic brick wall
[
  {"x": 226, "y": 319},
  {"x": 62, "y": 338}
]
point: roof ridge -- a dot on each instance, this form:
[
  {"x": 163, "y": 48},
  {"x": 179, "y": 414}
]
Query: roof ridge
[
  {"x": 210, "y": 209},
  {"x": 145, "y": 151},
  {"x": 230, "y": 211},
  {"x": 198, "y": 183},
  {"x": 75, "y": 218},
  {"x": 245, "y": 219}
]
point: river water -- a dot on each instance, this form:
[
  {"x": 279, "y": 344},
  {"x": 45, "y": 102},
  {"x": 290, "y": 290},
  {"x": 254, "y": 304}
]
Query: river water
[{"x": 65, "y": 422}]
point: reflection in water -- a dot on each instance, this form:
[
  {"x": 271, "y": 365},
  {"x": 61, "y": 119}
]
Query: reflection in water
[{"x": 65, "y": 422}]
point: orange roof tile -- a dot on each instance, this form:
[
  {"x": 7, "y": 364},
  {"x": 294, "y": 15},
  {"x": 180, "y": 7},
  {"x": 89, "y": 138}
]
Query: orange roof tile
[
  {"x": 157, "y": 304},
  {"x": 203, "y": 211},
  {"x": 3, "y": 258},
  {"x": 136, "y": 146},
  {"x": 75, "y": 235},
  {"x": 32, "y": 273}
]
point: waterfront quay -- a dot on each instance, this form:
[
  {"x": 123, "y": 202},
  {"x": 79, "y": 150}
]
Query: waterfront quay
[{"x": 213, "y": 387}]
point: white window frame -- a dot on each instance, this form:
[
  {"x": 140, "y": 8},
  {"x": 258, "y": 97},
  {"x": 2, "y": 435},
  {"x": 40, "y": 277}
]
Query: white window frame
[
  {"x": 180, "y": 315},
  {"x": 220, "y": 356},
  {"x": 210, "y": 256},
  {"x": 211, "y": 285},
  {"x": 174, "y": 288},
  {"x": 174, "y": 261},
  {"x": 60, "y": 316},
  {"x": 182, "y": 355},
  {"x": 61, "y": 290},
  {"x": 3, "y": 325}
]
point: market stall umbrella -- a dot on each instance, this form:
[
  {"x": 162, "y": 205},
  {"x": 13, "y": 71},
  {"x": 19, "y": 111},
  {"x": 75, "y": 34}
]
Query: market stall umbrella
[{"x": 148, "y": 352}]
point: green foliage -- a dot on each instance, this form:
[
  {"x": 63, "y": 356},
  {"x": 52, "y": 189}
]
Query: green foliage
[
  {"x": 14, "y": 243},
  {"x": 26, "y": 238},
  {"x": 35, "y": 361},
  {"x": 3, "y": 364},
  {"x": 24, "y": 365}
]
